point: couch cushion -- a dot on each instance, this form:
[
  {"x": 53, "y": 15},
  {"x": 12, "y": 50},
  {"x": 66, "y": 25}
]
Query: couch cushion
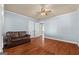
[
  {"x": 15, "y": 34},
  {"x": 12, "y": 34},
  {"x": 22, "y": 33}
]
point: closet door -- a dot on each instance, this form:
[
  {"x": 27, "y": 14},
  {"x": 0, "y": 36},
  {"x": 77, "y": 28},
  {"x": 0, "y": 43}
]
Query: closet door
[{"x": 39, "y": 29}]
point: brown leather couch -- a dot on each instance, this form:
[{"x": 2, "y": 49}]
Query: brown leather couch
[{"x": 16, "y": 38}]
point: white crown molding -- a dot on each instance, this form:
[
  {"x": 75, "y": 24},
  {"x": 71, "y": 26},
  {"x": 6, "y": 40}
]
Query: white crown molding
[
  {"x": 31, "y": 18},
  {"x": 49, "y": 18}
]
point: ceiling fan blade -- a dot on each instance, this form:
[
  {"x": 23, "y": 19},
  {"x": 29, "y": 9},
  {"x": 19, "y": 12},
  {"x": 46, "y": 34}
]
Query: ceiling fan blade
[{"x": 44, "y": 8}]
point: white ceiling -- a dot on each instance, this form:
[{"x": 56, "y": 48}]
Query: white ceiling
[{"x": 32, "y": 9}]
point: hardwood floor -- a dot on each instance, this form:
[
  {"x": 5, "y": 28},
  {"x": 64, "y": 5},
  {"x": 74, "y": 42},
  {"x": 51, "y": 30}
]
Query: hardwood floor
[{"x": 50, "y": 47}]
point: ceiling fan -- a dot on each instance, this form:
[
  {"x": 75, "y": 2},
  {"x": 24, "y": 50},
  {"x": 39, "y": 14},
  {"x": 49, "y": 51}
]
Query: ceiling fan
[{"x": 44, "y": 10}]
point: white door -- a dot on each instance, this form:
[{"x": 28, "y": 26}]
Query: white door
[
  {"x": 42, "y": 32},
  {"x": 37, "y": 30},
  {"x": 31, "y": 30}
]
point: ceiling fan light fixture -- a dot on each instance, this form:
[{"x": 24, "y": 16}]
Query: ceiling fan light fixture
[
  {"x": 44, "y": 11},
  {"x": 43, "y": 14}
]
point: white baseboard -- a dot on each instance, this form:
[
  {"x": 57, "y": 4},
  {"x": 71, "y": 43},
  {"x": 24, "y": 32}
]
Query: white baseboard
[
  {"x": 35, "y": 36},
  {"x": 64, "y": 40},
  {"x": 77, "y": 43}
]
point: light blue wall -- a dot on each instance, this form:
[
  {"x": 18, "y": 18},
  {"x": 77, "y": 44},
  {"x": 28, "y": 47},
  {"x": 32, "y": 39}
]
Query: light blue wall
[
  {"x": 65, "y": 27},
  {"x": 17, "y": 22}
]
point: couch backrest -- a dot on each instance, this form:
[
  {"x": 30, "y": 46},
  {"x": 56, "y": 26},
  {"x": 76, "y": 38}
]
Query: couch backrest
[{"x": 16, "y": 34}]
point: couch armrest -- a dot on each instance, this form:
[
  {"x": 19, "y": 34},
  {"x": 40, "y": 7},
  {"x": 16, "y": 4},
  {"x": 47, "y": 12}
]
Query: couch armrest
[{"x": 7, "y": 39}]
